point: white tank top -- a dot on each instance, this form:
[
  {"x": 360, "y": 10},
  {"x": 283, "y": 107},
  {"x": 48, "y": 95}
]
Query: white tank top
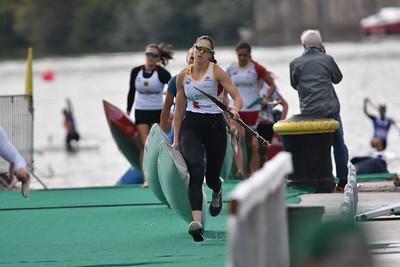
[
  {"x": 149, "y": 92},
  {"x": 246, "y": 80},
  {"x": 196, "y": 101}
]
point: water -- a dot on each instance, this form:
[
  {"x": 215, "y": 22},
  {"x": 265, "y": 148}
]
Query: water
[{"x": 371, "y": 69}]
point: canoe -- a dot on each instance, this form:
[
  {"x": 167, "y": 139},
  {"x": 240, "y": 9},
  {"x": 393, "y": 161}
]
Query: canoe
[
  {"x": 233, "y": 173},
  {"x": 228, "y": 160},
  {"x": 123, "y": 131},
  {"x": 150, "y": 158},
  {"x": 131, "y": 176},
  {"x": 174, "y": 180}
]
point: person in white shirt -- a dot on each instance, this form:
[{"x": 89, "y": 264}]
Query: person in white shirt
[
  {"x": 200, "y": 130},
  {"x": 146, "y": 89},
  {"x": 246, "y": 75},
  {"x": 268, "y": 118}
]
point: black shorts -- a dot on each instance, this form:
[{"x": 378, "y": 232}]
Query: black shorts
[
  {"x": 73, "y": 136},
  {"x": 147, "y": 116},
  {"x": 266, "y": 131}
]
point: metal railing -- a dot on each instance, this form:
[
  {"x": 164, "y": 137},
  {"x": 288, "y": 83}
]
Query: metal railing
[
  {"x": 16, "y": 118},
  {"x": 257, "y": 224},
  {"x": 348, "y": 207}
]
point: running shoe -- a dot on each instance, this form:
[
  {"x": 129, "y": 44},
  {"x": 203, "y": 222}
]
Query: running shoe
[
  {"x": 216, "y": 204},
  {"x": 340, "y": 186},
  {"x": 196, "y": 231}
]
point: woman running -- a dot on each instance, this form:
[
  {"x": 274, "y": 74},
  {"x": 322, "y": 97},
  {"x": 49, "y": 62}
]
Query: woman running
[
  {"x": 202, "y": 133},
  {"x": 245, "y": 75},
  {"x": 146, "y": 90}
]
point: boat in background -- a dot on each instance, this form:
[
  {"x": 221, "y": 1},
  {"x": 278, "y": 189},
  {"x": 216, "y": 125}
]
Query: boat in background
[
  {"x": 124, "y": 133},
  {"x": 131, "y": 176},
  {"x": 386, "y": 21}
]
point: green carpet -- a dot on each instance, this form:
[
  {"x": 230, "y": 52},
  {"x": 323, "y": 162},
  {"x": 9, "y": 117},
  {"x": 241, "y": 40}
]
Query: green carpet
[
  {"x": 293, "y": 193},
  {"x": 110, "y": 226},
  {"x": 118, "y": 236},
  {"x": 375, "y": 177}
]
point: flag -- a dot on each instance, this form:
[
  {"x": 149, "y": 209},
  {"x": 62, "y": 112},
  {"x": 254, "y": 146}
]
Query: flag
[{"x": 28, "y": 73}]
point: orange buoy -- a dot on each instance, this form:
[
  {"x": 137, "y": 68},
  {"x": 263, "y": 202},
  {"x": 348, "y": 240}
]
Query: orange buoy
[{"x": 47, "y": 75}]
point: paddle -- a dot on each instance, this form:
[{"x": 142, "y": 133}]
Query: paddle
[
  {"x": 260, "y": 139},
  {"x": 258, "y": 101},
  {"x": 234, "y": 136}
]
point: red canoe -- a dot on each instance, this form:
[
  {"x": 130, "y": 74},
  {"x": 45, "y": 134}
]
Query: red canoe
[{"x": 123, "y": 130}]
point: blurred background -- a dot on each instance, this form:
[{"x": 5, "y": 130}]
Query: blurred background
[
  {"x": 76, "y": 27},
  {"x": 89, "y": 48}
]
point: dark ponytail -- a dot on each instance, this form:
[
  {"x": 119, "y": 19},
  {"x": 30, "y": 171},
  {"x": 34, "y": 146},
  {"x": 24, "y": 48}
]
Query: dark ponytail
[
  {"x": 164, "y": 50},
  {"x": 212, "y": 59}
]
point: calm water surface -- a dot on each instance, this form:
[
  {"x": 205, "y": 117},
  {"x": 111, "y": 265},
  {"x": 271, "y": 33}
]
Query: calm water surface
[{"x": 371, "y": 69}]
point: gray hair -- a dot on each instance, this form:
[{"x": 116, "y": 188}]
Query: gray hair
[{"x": 311, "y": 38}]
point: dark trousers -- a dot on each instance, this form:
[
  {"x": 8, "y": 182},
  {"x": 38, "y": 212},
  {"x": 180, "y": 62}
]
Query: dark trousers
[
  {"x": 203, "y": 143},
  {"x": 71, "y": 136},
  {"x": 340, "y": 152}
]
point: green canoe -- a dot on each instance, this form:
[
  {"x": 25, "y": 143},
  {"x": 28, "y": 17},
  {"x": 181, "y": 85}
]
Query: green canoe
[
  {"x": 228, "y": 160},
  {"x": 150, "y": 157},
  {"x": 174, "y": 179}
]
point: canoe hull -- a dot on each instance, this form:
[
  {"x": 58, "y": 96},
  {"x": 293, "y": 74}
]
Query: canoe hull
[
  {"x": 228, "y": 160},
  {"x": 150, "y": 159},
  {"x": 124, "y": 133},
  {"x": 174, "y": 179}
]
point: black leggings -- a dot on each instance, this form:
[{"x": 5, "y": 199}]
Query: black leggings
[{"x": 203, "y": 136}]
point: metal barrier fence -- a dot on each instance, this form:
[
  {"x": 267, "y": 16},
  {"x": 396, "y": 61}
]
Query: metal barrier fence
[
  {"x": 16, "y": 118},
  {"x": 257, "y": 224},
  {"x": 348, "y": 207}
]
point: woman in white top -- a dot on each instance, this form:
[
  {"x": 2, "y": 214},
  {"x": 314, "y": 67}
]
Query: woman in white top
[
  {"x": 146, "y": 90},
  {"x": 202, "y": 132},
  {"x": 246, "y": 74}
]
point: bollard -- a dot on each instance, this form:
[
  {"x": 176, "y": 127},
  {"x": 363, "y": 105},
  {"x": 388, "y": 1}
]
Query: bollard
[{"x": 309, "y": 139}]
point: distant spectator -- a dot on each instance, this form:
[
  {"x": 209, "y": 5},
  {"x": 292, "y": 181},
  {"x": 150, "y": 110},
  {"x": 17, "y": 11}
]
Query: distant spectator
[
  {"x": 70, "y": 126},
  {"x": 375, "y": 163},
  {"x": 381, "y": 124}
]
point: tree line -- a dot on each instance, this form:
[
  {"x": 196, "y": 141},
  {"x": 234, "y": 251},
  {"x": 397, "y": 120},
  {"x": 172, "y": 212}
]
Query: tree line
[{"x": 55, "y": 27}]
